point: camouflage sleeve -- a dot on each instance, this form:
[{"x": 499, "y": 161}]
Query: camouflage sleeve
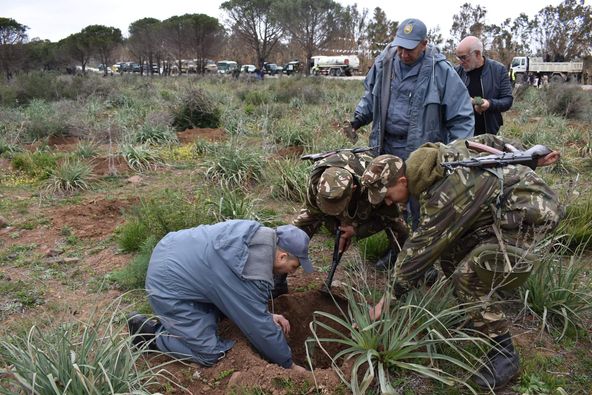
[
  {"x": 378, "y": 221},
  {"x": 309, "y": 221},
  {"x": 448, "y": 211}
]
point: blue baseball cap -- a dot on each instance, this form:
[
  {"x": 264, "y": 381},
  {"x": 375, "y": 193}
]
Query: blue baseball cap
[
  {"x": 410, "y": 33},
  {"x": 295, "y": 241}
]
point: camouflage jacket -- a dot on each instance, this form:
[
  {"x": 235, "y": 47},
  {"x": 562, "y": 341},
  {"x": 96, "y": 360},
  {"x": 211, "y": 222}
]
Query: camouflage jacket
[
  {"x": 363, "y": 216},
  {"x": 466, "y": 201}
]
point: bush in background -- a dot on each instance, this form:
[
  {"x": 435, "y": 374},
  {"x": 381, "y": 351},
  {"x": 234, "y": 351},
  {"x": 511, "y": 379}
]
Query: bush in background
[{"x": 196, "y": 110}]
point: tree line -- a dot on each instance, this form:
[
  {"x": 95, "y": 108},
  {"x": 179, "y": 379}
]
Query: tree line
[{"x": 256, "y": 31}]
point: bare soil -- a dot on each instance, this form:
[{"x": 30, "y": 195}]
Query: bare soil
[{"x": 93, "y": 220}]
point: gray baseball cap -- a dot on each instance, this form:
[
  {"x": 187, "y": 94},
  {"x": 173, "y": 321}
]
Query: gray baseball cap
[
  {"x": 295, "y": 241},
  {"x": 410, "y": 33}
]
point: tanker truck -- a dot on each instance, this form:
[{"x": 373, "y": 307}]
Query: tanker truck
[
  {"x": 339, "y": 65},
  {"x": 523, "y": 66}
]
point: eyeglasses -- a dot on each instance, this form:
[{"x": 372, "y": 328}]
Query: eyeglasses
[{"x": 462, "y": 58}]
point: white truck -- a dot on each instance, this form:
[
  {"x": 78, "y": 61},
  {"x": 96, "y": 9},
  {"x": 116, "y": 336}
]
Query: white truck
[
  {"x": 339, "y": 65},
  {"x": 555, "y": 71}
]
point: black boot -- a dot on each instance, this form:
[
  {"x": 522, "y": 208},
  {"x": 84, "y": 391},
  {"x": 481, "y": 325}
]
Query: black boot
[
  {"x": 142, "y": 330},
  {"x": 502, "y": 364},
  {"x": 386, "y": 262}
]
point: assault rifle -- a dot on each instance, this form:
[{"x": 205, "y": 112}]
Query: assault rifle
[
  {"x": 500, "y": 158},
  {"x": 323, "y": 155}
]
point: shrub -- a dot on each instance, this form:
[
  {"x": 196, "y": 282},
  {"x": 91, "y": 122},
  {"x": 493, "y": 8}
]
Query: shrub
[
  {"x": 196, "y": 110},
  {"x": 92, "y": 358},
  {"x": 69, "y": 176},
  {"x": 567, "y": 100},
  {"x": 43, "y": 120}
]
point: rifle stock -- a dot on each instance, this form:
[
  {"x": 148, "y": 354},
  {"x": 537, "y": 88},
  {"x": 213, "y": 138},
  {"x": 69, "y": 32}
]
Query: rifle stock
[{"x": 323, "y": 155}]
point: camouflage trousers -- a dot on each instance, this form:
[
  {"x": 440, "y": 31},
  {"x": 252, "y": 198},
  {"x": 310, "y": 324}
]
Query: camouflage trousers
[{"x": 483, "y": 268}]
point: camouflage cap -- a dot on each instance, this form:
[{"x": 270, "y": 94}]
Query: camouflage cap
[
  {"x": 381, "y": 173},
  {"x": 334, "y": 190}
]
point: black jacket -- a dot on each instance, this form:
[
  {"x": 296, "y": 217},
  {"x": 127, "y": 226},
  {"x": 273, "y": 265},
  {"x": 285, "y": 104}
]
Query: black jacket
[{"x": 497, "y": 88}]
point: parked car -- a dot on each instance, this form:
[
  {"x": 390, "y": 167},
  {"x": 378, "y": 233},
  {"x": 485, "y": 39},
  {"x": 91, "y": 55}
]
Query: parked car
[
  {"x": 248, "y": 68},
  {"x": 292, "y": 67},
  {"x": 270, "y": 68}
]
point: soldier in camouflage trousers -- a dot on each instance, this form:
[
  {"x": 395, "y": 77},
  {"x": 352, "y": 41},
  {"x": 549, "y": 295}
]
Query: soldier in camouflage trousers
[
  {"x": 479, "y": 224},
  {"x": 336, "y": 198}
]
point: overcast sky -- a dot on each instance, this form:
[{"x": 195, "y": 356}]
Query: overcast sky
[{"x": 56, "y": 19}]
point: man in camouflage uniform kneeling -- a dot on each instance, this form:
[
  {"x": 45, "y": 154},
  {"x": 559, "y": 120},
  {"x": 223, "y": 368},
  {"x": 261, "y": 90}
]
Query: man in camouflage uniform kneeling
[
  {"x": 480, "y": 224},
  {"x": 336, "y": 198}
]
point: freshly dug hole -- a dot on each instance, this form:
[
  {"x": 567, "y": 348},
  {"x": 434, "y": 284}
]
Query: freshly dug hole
[{"x": 298, "y": 308}]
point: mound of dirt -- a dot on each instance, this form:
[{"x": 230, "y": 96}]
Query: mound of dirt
[
  {"x": 244, "y": 368},
  {"x": 190, "y": 135}
]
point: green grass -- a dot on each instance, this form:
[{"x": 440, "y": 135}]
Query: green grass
[
  {"x": 92, "y": 357},
  {"x": 69, "y": 176},
  {"x": 417, "y": 335},
  {"x": 559, "y": 293}
]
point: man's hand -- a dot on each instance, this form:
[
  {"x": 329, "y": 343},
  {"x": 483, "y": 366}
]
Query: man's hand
[
  {"x": 347, "y": 232},
  {"x": 480, "y": 105},
  {"x": 298, "y": 368},
  {"x": 376, "y": 311},
  {"x": 282, "y": 322},
  {"x": 349, "y": 132},
  {"x": 549, "y": 159}
]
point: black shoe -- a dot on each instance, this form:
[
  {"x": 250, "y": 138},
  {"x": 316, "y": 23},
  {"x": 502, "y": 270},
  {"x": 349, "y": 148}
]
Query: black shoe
[
  {"x": 142, "y": 330},
  {"x": 503, "y": 364},
  {"x": 386, "y": 262}
]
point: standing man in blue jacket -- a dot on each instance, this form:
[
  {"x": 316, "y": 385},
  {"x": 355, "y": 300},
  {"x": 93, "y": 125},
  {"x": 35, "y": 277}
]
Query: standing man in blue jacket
[
  {"x": 488, "y": 84},
  {"x": 196, "y": 275},
  {"x": 412, "y": 96}
]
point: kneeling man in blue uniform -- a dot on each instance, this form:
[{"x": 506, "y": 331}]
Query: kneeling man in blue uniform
[{"x": 196, "y": 275}]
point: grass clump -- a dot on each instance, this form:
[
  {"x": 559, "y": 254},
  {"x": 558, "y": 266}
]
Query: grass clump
[
  {"x": 374, "y": 247},
  {"x": 412, "y": 336},
  {"x": 39, "y": 164},
  {"x": 288, "y": 179},
  {"x": 139, "y": 157},
  {"x": 559, "y": 294},
  {"x": 235, "y": 165},
  {"x": 157, "y": 215},
  {"x": 155, "y": 135},
  {"x": 92, "y": 358},
  {"x": 86, "y": 150},
  {"x": 576, "y": 225},
  {"x": 69, "y": 176},
  {"x": 286, "y": 132},
  {"x": 133, "y": 275},
  {"x": 234, "y": 204},
  {"x": 196, "y": 110}
]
